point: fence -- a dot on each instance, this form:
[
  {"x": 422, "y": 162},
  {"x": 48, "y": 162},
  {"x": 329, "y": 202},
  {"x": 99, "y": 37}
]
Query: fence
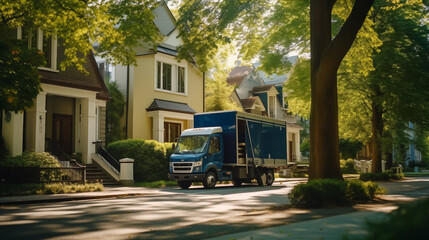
[{"x": 43, "y": 174}]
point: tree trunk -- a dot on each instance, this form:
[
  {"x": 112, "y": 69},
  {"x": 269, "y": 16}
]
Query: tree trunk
[
  {"x": 326, "y": 56},
  {"x": 376, "y": 137}
]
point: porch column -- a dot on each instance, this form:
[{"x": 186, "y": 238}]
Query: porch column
[
  {"x": 158, "y": 128},
  {"x": 297, "y": 147},
  {"x": 36, "y": 125},
  {"x": 88, "y": 128},
  {"x": 13, "y": 131}
]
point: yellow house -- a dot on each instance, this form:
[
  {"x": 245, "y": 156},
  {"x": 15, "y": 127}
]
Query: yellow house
[{"x": 161, "y": 93}]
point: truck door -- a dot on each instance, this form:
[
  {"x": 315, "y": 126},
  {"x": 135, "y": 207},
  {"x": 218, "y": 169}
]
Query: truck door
[{"x": 215, "y": 151}]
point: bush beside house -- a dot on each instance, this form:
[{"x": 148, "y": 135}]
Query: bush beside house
[
  {"x": 31, "y": 159},
  {"x": 348, "y": 166},
  {"x": 151, "y": 158}
]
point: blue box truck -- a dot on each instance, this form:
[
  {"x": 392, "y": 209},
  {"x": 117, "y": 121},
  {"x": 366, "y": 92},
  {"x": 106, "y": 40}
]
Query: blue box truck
[{"x": 229, "y": 146}]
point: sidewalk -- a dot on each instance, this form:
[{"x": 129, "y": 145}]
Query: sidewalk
[
  {"x": 351, "y": 225},
  {"x": 109, "y": 192}
]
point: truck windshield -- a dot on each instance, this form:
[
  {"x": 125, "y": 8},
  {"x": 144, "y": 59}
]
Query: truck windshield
[{"x": 191, "y": 144}]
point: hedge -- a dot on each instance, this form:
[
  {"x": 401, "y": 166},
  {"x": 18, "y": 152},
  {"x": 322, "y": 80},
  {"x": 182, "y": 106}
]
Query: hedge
[
  {"x": 325, "y": 192},
  {"x": 151, "y": 158},
  {"x": 348, "y": 166},
  {"x": 31, "y": 159}
]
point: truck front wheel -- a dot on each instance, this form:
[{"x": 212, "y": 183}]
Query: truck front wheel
[
  {"x": 210, "y": 180},
  {"x": 184, "y": 184}
]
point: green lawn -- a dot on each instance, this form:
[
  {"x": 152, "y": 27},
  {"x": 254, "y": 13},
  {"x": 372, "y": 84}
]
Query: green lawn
[
  {"x": 416, "y": 174},
  {"x": 157, "y": 184}
]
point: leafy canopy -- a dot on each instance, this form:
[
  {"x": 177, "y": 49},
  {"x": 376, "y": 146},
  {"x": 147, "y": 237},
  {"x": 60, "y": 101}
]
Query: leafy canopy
[{"x": 114, "y": 27}]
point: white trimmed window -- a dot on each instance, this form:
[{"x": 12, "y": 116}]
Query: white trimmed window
[
  {"x": 36, "y": 39},
  {"x": 170, "y": 76}
]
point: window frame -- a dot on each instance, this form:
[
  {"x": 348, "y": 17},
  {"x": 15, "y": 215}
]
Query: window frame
[
  {"x": 175, "y": 86},
  {"x": 40, "y": 38}
]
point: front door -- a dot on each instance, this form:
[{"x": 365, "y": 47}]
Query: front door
[
  {"x": 172, "y": 131},
  {"x": 62, "y": 132}
]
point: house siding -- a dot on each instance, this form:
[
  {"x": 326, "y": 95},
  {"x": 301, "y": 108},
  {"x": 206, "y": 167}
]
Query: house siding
[{"x": 143, "y": 92}]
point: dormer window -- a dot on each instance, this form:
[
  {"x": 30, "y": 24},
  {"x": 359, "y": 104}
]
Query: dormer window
[{"x": 36, "y": 39}]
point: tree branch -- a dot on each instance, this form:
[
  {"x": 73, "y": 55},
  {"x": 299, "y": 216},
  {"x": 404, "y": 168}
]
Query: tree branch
[{"x": 341, "y": 44}]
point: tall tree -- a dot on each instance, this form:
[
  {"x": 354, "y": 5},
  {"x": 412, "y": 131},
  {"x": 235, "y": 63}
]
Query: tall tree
[
  {"x": 218, "y": 91},
  {"x": 326, "y": 57},
  {"x": 203, "y": 24},
  {"x": 393, "y": 93},
  {"x": 116, "y": 27},
  {"x": 399, "y": 86}
]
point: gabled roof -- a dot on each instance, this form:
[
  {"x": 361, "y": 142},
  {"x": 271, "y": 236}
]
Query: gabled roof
[
  {"x": 74, "y": 78},
  {"x": 241, "y": 70},
  {"x": 235, "y": 80},
  {"x": 164, "y": 19},
  {"x": 264, "y": 88},
  {"x": 252, "y": 103},
  {"x": 159, "y": 104}
]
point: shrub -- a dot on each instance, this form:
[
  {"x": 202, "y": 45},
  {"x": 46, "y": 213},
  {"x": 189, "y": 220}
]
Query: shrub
[
  {"x": 323, "y": 192},
  {"x": 348, "y": 166},
  {"x": 409, "y": 221},
  {"x": 150, "y": 162},
  {"x": 319, "y": 192},
  {"x": 31, "y": 159},
  {"x": 384, "y": 176}
]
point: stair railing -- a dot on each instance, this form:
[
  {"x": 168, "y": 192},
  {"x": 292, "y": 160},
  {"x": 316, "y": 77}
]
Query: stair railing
[{"x": 106, "y": 155}]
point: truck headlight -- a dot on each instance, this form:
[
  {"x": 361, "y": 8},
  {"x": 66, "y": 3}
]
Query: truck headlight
[{"x": 198, "y": 163}]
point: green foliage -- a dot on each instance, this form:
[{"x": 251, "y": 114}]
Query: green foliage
[
  {"x": 409, "y": 221},
  {"x": 115, "y": 27},
  {"x": 325, "y": 192},
  {"x": 168, "y": 150},
  {"x": 384, "y": 176},
  {"x": 114, "y": 111},
  {"x": 349, "y": 148},
  {"x": 218, "y": 91},
  {"x": 53, "y": 188},
  {"x": 150, "y": 161},
  {"x": 218, "y": 95},
  {"x": 19, "y": 76},
  {"x": 305, "y": 147},
  {"x": 348, "y": 166},
  {"x": 31, "y": 159}
]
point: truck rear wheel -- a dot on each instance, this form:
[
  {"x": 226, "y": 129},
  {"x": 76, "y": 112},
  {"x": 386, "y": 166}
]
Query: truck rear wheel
[
  {"x": 270, "y": 177},
  {"x": 184, "y": 184},
  {"x": 209, "y": 180}
]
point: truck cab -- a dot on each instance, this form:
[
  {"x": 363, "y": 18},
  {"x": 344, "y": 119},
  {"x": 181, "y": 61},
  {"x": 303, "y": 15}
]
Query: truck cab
[{"x": 198, "y": 157}]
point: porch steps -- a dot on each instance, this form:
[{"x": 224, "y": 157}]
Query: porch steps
[{"x": 94, "y": 174}]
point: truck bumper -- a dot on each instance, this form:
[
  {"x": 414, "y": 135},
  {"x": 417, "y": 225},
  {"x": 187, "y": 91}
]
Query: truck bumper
[{"x": 187, "y": 177}]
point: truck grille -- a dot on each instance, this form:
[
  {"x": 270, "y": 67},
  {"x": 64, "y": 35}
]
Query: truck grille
[{"x": 182, "y": 167}]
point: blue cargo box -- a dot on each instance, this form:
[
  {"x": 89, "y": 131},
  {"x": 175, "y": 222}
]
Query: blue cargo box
[{"x": 267, "y": 137}]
